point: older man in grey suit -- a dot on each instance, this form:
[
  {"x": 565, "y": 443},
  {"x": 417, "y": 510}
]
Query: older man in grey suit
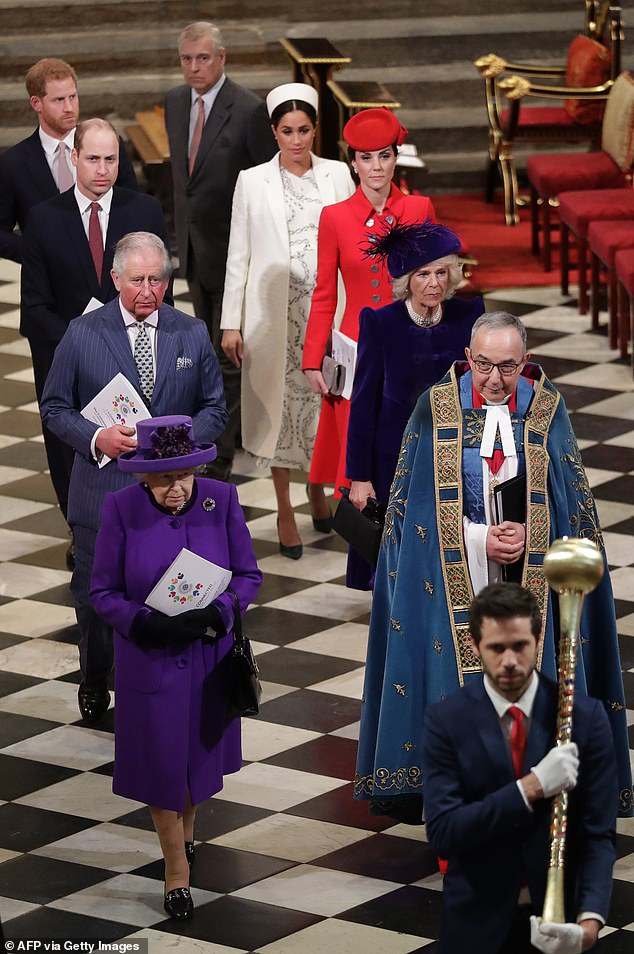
[
  {"x": 216, "y": 128},
  {"x": 168, "y": 358}
]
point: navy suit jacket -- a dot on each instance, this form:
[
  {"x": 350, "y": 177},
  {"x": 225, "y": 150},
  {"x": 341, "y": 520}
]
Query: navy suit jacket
[
  {"x": 477, "y": 818},
  {"x": 58, "y": 274},
  {"x": 236, "y": 136},
  {"x": 26, "y": 179},
  {"x": 96, "y": 348}
]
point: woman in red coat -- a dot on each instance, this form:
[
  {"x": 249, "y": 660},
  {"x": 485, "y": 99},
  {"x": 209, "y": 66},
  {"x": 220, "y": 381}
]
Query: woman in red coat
[{"x": 372, "y": 137}]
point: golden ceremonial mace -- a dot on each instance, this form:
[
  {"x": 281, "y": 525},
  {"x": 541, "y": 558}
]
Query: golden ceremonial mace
[{"x": 573, "y": 567}]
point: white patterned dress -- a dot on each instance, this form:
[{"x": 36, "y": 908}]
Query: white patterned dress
[{"x": 300, "y": 411}]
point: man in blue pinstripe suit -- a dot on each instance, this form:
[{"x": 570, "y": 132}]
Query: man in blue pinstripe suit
[{"x": 186, "y": 380}]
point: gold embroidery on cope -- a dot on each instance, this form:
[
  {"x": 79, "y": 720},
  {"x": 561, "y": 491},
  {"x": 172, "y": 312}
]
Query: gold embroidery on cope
[
  {"x": 408, "y": 746},
  {"x": 395, "y": 624},
  {"x": 421, "y": 531},
  {"x": 437, "y": 645},
  {"x": 400, "y": 689},
  {"x": 429, "y": 587}
]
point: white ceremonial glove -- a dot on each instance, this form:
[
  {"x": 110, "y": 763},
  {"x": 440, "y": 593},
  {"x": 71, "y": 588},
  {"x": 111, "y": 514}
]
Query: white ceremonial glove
[
  {"x": 556, "y": 938},
  {"x": 558, "y": 770}
]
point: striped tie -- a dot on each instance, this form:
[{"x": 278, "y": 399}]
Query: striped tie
[{"x": 144, "y": 362}]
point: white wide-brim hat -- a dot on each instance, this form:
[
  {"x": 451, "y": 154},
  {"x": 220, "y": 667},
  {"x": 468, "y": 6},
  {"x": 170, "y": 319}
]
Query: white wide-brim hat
[{"x": 289, "y": 91}]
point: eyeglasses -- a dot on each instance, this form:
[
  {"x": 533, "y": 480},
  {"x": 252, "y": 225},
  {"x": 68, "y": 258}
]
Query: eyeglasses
[{"x": 506, "y": 368}]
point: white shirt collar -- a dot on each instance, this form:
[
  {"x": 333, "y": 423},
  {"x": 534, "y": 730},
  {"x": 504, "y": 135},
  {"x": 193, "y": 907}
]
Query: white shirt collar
[
  {"x": 84, "y": 203},
  {"x": 210, "y": 95},
  {"x": 129, "y": 320},
  {"x": 502, "y": 705},
  {"x": 50, "y": 144}
]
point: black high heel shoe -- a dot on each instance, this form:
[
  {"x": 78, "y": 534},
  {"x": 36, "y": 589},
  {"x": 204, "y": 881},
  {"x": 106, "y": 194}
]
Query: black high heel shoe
[
  {"x": 293, "y": 552},
  {"x": 190, "y": 852},
  {"x": 321, "y": 524},
  {"x": 178, "y": 904}
]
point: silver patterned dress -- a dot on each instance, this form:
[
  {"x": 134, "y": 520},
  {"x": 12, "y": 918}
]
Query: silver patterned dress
[{"x": 300, "y": 410}]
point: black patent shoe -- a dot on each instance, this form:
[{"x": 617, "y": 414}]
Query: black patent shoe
[
  {"x": 321, "y": 524},
  {"x": 190, "y": 852},
  {"x": 178, "y": 904},
  {"x": 293, "y": 552},
  {"x": 93, "y": 701}
]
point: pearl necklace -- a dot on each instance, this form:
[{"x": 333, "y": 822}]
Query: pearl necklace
[{"x": 420, "y": 320}]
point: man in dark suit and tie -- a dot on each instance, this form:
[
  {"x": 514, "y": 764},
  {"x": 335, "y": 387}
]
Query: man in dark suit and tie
[
  {"x": 216, "y": 128},
  {"x": 490, "y": 769},
  {"x": 40, "y": 166},
  {"x": 67, "y": 250},
  {"x": 167, "y": 357}
]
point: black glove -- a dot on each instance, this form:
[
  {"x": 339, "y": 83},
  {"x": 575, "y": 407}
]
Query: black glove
[
  {"x": 201, "y": 619},
  {"x": 165, "y": 629}
]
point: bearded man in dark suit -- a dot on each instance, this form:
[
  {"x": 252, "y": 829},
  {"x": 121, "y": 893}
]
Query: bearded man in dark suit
[
  {"x": 39, "y": 167},
  {"x": 216, "y": 129}
]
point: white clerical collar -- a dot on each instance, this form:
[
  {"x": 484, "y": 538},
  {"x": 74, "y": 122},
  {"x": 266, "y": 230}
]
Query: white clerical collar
[
  {"x": 501, "y": 704},
  {"x": 50, "y": 144}
]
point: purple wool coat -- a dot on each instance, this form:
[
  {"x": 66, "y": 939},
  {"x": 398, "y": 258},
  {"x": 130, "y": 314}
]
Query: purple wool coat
[{"x": 172, "y": 734}]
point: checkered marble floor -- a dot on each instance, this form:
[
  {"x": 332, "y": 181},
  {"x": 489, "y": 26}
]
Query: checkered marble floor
[{"x": 287, "y": 862}]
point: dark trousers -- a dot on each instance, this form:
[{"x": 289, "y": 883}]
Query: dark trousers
[
  {"x": 518, "y": 940},
  {"x": 59, "y": 455},
  {"x": 208, "y": 306},
  {"x": 95, "y": 636}
]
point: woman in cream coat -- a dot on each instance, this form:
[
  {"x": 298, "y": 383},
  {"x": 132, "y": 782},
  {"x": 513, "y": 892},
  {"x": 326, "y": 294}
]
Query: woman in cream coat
[{"x": 270, "y": 277}]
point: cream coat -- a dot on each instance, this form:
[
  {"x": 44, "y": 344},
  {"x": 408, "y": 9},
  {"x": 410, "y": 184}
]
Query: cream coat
[{"x": 255, "y": 299}]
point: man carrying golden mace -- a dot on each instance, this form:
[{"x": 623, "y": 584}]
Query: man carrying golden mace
[{"x": 496, "y": 753}]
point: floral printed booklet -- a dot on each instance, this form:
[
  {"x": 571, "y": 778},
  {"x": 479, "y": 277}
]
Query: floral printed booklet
[{"x": 190, "y": 582}]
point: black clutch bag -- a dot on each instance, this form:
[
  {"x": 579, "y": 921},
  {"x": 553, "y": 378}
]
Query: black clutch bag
[
  {"x": 245, "y": 690},
  {"x": 362, "y": 529}
]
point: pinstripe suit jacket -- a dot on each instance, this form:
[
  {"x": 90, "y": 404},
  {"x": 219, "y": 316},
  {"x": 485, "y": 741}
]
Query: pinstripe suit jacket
[{"x": 93, "y": 350}]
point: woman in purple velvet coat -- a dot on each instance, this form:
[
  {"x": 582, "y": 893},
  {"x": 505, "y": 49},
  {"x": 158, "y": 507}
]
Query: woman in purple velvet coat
[
  {"x": 403, "y": 349},
  {"x": 174, "y": 740}
]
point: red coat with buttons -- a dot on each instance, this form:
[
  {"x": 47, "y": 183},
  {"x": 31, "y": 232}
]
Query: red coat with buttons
[{"x": 343, "y": 229}]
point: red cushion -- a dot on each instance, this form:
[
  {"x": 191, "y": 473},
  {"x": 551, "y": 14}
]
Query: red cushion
[
  {"x": 566, "y": 172},
  {"x": 588, "y": 65},
  {"x": 606, "y": 237},
  {"x": 577, "y": 209},
  {"x": 624, "y": 265},
  {"x": 551, "y": 123}
]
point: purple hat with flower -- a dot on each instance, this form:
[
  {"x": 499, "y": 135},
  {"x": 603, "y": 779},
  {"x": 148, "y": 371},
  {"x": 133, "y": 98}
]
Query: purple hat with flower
[
  {"x": 164, "y": 444},
  {"x": 406, "y": 247}
]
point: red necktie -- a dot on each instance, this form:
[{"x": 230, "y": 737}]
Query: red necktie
[
  {"x": 197, "y": 135},
  {"x": 95, "y": 238},
  {"x": 518, "y": 739},
  {"x": 498, "y": 458}
]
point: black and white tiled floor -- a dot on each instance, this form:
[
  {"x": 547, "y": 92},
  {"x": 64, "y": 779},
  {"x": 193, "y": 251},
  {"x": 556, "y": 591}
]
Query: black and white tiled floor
[{"x": 288, "y": 862}]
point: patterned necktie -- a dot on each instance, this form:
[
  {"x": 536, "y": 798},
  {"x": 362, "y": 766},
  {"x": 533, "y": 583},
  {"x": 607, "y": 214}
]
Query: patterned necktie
[
  {"x": 95, "y": 238},
  {"x": 65, "y": 179},
  {"x": 197, "y": 135},
  {"x": 144, "y": 361},
  {"x": 518, "y": 739}
]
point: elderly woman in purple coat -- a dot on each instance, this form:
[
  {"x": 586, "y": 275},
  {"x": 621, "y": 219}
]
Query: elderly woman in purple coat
[
  {"x": 174, "y": 740},
  {"x": 403, "y": 349}
]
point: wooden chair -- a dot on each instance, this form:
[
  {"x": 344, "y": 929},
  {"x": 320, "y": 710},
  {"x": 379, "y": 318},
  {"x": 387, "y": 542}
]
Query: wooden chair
[{"x": 594, "y": 62}]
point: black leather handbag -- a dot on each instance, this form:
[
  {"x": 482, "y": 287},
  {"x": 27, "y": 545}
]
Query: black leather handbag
[
  {"x": 362, "y": 529},
  {"x": 245, "y": 690}
]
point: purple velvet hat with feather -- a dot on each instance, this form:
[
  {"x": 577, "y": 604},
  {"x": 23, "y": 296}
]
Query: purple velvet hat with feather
[
  {"x": 165, "y": 444},
  {"x": 406, "y": 247}
]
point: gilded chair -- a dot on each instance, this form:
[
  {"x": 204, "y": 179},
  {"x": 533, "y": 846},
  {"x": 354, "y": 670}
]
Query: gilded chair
[
  {"x": 607, "y": 168},
  {"x": 593, "y": 63}
]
